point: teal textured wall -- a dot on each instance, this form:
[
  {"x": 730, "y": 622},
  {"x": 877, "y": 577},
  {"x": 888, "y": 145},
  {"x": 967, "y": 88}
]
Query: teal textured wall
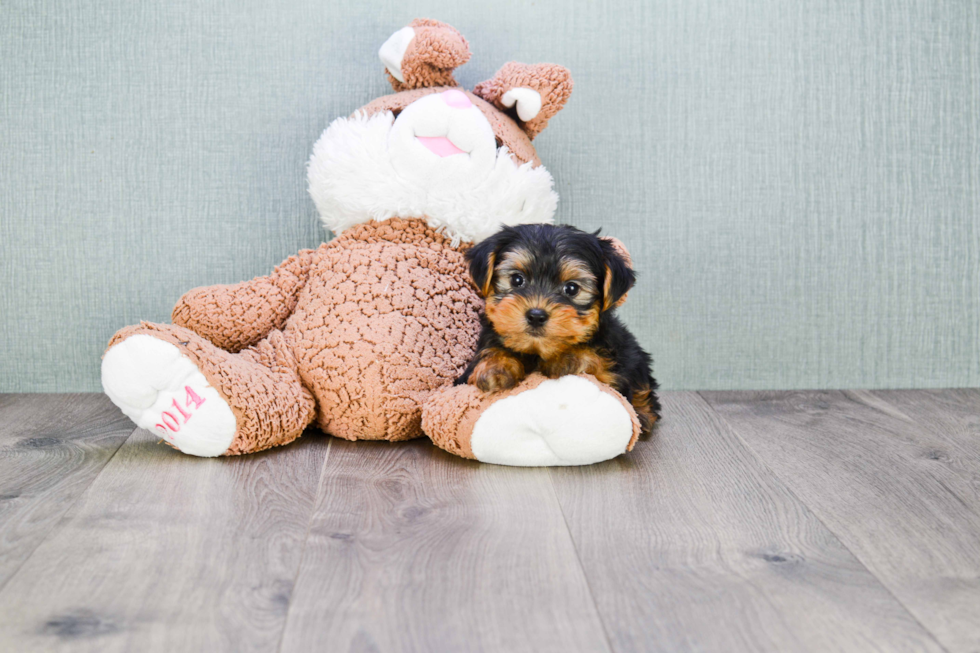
[{"x": 798, "y": 180}]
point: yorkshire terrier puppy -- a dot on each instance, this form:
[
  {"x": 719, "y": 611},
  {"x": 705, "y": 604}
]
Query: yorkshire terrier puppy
[{"x": 551, "y": 293}]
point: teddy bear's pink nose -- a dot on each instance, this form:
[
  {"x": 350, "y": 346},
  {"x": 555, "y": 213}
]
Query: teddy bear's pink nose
[{"x": 456, "y": 99}]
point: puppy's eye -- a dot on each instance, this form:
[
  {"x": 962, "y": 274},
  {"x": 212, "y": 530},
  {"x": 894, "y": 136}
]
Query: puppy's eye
[
  {"x": 570, "y": 289},
  {"x": 517, "y": 280}
]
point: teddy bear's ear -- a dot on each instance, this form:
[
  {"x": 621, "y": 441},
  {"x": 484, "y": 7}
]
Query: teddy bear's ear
[
  {"x": 423, "y": 55},
  {"x": 531, "y": 93},
  {"x": 619, "y": 276}
]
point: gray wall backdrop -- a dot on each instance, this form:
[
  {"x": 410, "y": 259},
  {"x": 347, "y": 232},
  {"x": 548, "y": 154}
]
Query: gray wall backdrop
[{"x": 798, "y": 180}]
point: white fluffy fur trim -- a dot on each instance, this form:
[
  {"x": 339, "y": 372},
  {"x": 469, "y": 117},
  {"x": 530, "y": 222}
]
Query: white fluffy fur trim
[{"x": 352, "y": 180}]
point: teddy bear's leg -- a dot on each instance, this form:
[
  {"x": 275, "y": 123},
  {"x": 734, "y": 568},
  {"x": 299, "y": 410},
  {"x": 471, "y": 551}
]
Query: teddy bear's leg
[
  {"x": 201, "y": 399},
  {"x": 573, "y": 420}
]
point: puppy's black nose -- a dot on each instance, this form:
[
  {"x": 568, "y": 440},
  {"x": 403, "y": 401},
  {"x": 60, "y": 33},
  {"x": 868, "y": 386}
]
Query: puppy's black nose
[{"x": 536, "y": 317}]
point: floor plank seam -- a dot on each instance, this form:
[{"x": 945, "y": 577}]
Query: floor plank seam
[
  {"x": 928, "y": 427},
  {"x": 816, "y": 516},
  {"x": 306, "y": 538},
  {"x": 66, "y": 511},
  {"x": 578, "y": 558}
]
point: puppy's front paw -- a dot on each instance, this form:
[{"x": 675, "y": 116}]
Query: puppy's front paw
[
  {"x": 580, "y": 360},
  {"x": 497, "y": 370},
  {"x": 495, "y": 380},
  {"x": 566, "y": 363}
]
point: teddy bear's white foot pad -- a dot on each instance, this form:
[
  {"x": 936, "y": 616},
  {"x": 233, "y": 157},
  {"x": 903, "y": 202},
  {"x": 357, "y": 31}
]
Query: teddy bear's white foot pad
[
  {"x": 161, "y": 390},
  {"x": 566, "y": 421}
]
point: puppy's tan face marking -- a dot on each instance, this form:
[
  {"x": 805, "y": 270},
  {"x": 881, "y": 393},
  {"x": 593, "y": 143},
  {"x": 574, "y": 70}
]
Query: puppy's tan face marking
[
  {"x": 607, "y": 301},
  {"x": 562, "y": 291},
  {"x": 578, "y": 273},
  {"x": 488, "y": 284},
  {"x": 515, "y": 262},
  {"x": 565, "y": 328},
  {"x": 570, "y": 326}
]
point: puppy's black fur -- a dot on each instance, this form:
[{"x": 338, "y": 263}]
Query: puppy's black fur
[{"x": 572, "y": 281}]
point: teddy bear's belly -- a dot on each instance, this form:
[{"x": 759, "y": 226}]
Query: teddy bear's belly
[{"x": 379, "y": 326}]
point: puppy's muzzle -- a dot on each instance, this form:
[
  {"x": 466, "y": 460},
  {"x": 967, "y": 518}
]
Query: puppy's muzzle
[{"x": 536, "y": 317}]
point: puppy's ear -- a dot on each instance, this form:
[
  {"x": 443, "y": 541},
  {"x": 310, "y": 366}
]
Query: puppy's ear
[
  {"x": 482, "y": 258},
  {"x": 619, "y": 276}
]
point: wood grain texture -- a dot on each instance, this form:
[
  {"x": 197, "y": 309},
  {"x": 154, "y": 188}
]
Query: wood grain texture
[
  {"x": 901, "y": 493},
  {"x": 952, "y": 416},
  {"x": 763, "y": 521},
  {"x": 411, "y": 549},
  {"x": 51, "y": 448},
  {"x": 690, "y": 544},
  {"x": 166, "y": 552}
]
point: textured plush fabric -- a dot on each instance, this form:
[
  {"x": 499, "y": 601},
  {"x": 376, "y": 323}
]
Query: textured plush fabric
[
  {"x": 378, "y": 319},
  {"x": 260, "y": 384},
  {"x": 552, "y": 82},
  {"x": 365, "y": 328},
  {"x": 432, "y": 55},
  {"x": 450, "y": 414},
  {"x": 236, "y": 316},
  {"x": 387, "y": 316},
  {"x": 504, "y": 127},
  {"x": 372, "y": 167}
]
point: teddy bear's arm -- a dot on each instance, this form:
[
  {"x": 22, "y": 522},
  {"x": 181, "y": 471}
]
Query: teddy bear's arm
[{"x": 237, "y": 316}]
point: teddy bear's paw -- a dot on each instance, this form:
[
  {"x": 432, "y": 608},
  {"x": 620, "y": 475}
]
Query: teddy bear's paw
[
  {"x": 565, "y": 421},
  {"x": 163, "y": 391}
]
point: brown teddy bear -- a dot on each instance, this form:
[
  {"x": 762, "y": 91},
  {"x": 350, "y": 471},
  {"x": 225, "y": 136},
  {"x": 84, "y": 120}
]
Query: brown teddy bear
[{"x": 365, "y": 335}]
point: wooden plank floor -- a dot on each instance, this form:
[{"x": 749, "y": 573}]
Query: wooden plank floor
[
  {"x": 777, "y": 521},
  {"x": 903, "y": 494}
]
